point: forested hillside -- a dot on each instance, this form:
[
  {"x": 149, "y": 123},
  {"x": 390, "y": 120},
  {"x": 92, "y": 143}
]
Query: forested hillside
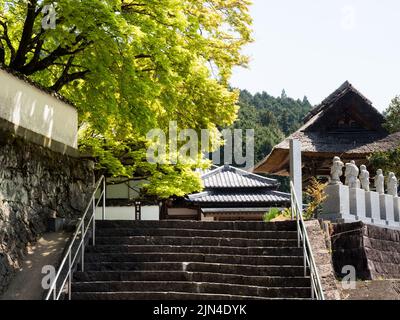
[{"x": 272, "y": 118}]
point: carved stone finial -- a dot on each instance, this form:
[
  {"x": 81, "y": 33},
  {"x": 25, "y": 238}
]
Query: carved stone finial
[
  {"x": 392, "y": 184},
  {"x": 379, "y": 182},
  {"x": 364, "y": 178},
  {"x": 336, "y": 171}
]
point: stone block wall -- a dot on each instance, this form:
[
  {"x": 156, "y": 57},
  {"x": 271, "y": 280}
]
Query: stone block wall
[
  {"x": 323, "y": 259},
  {"x": 35, "y": 183},
  {"x": 373, "y": 251}
]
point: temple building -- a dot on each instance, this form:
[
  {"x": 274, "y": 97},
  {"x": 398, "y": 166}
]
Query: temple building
[
  {"x": 345, "y": 124},
  {"x": 229, "y": 194}
]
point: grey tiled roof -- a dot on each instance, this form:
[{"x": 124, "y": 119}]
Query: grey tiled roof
[
  {"x": 262, "y": 195},
  {"x": 233, "y": 210},
  {"x": 230, "y": 177}
]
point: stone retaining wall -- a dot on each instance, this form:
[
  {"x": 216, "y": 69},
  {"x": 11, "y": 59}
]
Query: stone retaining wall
[
  {"x": 35, "y": 183},
  {"x": 323, "y": 259},
  {"x": 373, "y": 251}
]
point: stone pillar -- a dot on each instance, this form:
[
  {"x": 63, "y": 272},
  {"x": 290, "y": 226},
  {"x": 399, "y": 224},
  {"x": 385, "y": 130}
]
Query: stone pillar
[
  {"x": 295, "y": 170},
  {"x": 337, "y": 204},
  {"x": 372, "y": 207},
  {"x": 387, "y": 208},
  {"x": 357, "y": 204},
  {"x": 396, "y": 201}
]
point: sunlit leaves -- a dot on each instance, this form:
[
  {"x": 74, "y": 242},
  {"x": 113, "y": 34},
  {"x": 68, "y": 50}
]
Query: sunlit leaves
[{"x": 145, "y": 63}]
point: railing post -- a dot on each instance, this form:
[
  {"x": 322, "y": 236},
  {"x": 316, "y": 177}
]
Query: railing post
[
  {"x": 55, "y": 291},
  {"x": 298, "y": 229},
  {"x": 94, "y": 223},
  {"x": 312, "y": 287},
  {"x": 83, "y": 247},
  {"x": 103, "y": 209},
  {"x": 70, "y": 275},
  {"x": 305, "y": 258}
]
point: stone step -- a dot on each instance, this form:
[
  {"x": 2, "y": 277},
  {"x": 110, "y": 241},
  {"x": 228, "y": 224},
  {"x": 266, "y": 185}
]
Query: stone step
[
  {"x": 191, "y": 276},
  {"x": 198, "y": 287},
  {"x": 203, "y": 225},
  {"x": 270, "y": 251},
  {"x": 193, "y": 257},
  {"x": 166, "y": 296},
  {"x": 239, "y": 269},
  {"x": 195, "y": 241},
  {"x": 120, "y": 232},
  {"x": 184, "y": 260}
]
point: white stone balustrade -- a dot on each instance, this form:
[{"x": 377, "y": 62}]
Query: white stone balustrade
[{"x": 354, "y": 201}]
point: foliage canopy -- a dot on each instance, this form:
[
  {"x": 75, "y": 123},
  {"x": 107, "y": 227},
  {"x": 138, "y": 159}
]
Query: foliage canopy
[{"x": 130, "y": 66}]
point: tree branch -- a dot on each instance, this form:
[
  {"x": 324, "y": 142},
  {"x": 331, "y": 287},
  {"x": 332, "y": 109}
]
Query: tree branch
[
  {"x": 6, "y": 38},
  {"x": 66, "y": 77},
  {"x": 2, "y": 53},
  {"x": 34, "y": 66},
  {"x": 20, "y": 57}
]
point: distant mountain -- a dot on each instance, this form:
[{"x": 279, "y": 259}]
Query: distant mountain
[{"x": 272, "y": 118}]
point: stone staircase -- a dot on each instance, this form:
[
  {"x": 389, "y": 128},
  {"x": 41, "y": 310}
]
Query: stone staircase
[{"x": 173, "y": 259}]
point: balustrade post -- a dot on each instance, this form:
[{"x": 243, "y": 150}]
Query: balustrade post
[
  {"x": 70, "y": 275},
  {"x": 103, "y": 209},
  {"x": 83, "y": 246},
  {"x": 94, "y": 223}
]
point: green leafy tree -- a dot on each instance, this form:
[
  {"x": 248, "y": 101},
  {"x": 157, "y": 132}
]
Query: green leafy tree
[
  {"x": 130, "y": 66},
  {"x": 392, "y": 114},
  {"x": 271, "y": 118},
  {"x": 389, "y": 161}
]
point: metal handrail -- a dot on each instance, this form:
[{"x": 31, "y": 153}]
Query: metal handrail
[
  {"x": 317, "y": 291},
  {"x": 82, "y": 230}
]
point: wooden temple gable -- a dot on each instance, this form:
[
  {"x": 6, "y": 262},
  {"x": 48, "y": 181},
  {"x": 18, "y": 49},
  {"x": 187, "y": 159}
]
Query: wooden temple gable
[
  {"x": 349, "y": 113},
  {"x": 345, "y": 124}
]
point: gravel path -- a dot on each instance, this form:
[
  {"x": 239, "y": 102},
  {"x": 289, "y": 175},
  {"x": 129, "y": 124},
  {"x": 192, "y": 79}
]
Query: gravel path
[{"x": 26, "y": 284}]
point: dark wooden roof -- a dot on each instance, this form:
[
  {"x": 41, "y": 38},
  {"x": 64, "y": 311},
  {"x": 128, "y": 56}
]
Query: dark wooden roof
[
  {"x": 322, "y": 137},
  {"x": 329, "y": 101}
]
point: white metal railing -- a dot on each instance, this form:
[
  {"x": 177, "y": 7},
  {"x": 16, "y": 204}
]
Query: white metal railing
[
  {"x": 303, "y": 241},
  {"x": 76, "y": 250}
]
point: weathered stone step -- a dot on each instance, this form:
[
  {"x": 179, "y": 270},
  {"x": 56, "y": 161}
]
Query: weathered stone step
[
  {"x": 199, "y": 287},
  {"x": 191, "y": 276},
  {"x": 271, "y": 251},
  {"x": 164, "y": 296},
  {"x": 195, "y": 241},
  {"x": 214, "y": 225},
  {"x": 120, "y": 232},
  {"x": 193, "y": 257},
  {"x": 240, "y": 269}
]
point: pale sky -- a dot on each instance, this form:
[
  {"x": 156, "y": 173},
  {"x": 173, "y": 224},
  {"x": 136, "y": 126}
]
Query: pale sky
[{"x": 310, "y": 47}]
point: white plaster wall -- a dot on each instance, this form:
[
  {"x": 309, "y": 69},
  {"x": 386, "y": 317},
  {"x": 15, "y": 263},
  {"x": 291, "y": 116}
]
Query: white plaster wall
[
  {"x": 128, "y": 213},
  {"x": 29, "y": 107}
]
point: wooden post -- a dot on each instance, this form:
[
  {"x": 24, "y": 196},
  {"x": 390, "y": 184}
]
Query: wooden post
[{"x": 138, "y": 210}]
